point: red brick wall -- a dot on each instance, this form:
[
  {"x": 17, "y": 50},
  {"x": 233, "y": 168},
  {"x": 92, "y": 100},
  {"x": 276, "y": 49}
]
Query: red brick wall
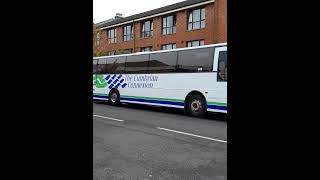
[
  {"x": 220, "y": 30},
  {"x": 214, "y": 32}
]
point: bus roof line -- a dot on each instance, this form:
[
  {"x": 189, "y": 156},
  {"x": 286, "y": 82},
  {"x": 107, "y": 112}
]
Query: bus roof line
[{"x": 163, "y": 51}]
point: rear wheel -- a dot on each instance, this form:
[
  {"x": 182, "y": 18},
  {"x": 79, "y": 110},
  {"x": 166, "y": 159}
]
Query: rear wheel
[
  {"x": 114, "y": 98},
  {"x": 196, "y": 106}
]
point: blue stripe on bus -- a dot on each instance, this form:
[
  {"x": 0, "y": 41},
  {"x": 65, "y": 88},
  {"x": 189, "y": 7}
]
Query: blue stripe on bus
[
  {"x": 100, "y": 96},
  {"x": 119, "y": 76},
  {"x": 154, "y": 101},
  {"x": 217, "y": 107},
  {"x": 171, "y": 103},
  {"x": 162, "y": 102},
  {"x": 113, "y": 76},
  {"x": 107, "y": 77}
]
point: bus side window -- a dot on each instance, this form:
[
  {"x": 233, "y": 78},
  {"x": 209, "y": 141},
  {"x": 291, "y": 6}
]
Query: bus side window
[
  {"x": 137, "y": 64},
  {"x": 101, "y": 67},
  {"x": 109, "y": 65},
  {"x": 222, "y": 66},
  {"x": 195, "y": 60},
  {"x": 163, "y": 62},
  {"x": 95, "y": 66},
  {"x": 94, "y": 71},
  {"x": 119, "y": 65}
]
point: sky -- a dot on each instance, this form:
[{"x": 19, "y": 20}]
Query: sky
[{"x": 106, "y": 9}]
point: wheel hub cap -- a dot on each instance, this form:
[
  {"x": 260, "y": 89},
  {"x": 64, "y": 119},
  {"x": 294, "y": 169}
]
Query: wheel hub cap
[
  {"x": 195, "y": 105},
  {"x": 114, "y": 98}
]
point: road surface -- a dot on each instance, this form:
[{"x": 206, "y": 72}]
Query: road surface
[{"x": 135, "y": 142}]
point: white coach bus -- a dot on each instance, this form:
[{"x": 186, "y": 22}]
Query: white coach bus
[{"x": 194, "y": 79}]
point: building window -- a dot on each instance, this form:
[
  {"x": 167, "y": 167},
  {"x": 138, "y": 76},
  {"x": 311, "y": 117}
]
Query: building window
[
  {"x": 127, "y": 33},
  {"x": 169, "y": 25},
  {"x": 112, "y": 36},
  {"x": 196, "y": 19},
  {"x": 195, "y": 43},
  {"x": 111, "y": 53},
  {"x": 168, "y": 46},
  {"x": 127, "y": 51},
  {"x": 146, "y": 49},
  {"x": 147, "y": 29},
  {"x": 98, "y": 39}
]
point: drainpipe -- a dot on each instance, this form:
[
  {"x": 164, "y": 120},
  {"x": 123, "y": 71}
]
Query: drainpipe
[{"x": 134, "y": 36}]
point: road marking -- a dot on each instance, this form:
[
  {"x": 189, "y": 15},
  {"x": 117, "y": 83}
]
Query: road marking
[
  {"x": 212, "y": 139},
  {"x": 114, "y": 119}
]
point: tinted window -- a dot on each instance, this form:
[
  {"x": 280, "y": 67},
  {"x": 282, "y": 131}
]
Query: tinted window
[
  {"x": 163, "y": 62},
  {"x": 195, "y": 60},
  {"x": 118, "y": 65},
  {"x": 222, "y": 66},
  {"x": 101, "y": 67},
  {"x": 109, "y": 65},
  {"x": 137, "y": 64},
  {"x": 95, "y": 66},
  {"x": 102, "y": 61}
]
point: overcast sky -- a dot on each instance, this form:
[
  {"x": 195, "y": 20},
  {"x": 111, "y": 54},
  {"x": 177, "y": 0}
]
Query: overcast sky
[{"x": 106, "y": 9}]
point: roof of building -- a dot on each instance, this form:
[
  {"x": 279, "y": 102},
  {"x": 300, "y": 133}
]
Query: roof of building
[
  {"x": 104, "y": 22},
  {"x": 149, "y": 13}
]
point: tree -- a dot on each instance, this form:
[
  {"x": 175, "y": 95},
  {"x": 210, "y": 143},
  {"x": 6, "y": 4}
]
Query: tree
[
  {"x": 97, "y": 40},
  {"x": 95, "y": 49}
]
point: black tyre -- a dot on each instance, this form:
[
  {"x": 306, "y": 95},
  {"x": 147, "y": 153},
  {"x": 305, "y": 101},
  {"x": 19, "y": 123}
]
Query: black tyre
[
  {"x": 196, "y": 106},
  {"x": 114, "y": 98}
]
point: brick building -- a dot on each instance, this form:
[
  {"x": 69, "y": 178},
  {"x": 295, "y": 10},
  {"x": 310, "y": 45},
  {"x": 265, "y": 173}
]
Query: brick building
[{"x": 184, "y": 24}]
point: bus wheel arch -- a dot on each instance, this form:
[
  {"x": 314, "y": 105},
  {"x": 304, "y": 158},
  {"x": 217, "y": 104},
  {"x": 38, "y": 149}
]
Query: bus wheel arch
[
  {"x": 114, "y": 97},
  {"x": 195, "y": 104}
]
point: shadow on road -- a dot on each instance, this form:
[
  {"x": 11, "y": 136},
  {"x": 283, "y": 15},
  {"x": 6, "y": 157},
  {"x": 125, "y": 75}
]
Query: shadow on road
[{"x": 210, "y": 116}]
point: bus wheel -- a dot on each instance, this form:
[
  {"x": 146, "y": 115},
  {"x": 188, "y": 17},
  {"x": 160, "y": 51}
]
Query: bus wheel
[
  {"x": 196, "y": 106},
  {"x": 114, "y": 98}
]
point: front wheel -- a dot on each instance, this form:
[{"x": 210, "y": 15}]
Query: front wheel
[
  {"x": 196, "y": 106},
  {"x": 114, "y": 98}
]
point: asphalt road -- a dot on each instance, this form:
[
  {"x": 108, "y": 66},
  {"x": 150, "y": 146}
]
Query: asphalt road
[{"x": 135, "y": 142}]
